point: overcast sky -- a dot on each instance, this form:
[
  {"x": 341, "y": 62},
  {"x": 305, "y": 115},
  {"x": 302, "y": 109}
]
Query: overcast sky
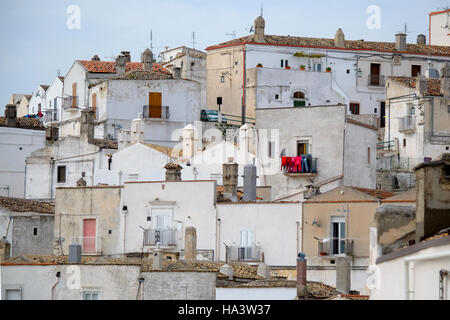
[{"x": 37, "y": 42}]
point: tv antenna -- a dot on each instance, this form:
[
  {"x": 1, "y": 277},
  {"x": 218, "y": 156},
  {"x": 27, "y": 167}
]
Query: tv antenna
[
  {"x": 193, "y": 40},
  {"x": 151, "y": 39}
]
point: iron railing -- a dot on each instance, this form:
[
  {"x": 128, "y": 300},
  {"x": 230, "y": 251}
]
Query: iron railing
[
  {"x": 163, "y": 237},
  {"x": 70, "y": 102},
  {"x": 335, "y": 246},
  {"x": 155, "y": 112},
  {"x": 407, "y": 124},
  {"x": 250, "y": 253},
  {"x": 376, "y": 80},
  {"x": 89, "y": 245}
]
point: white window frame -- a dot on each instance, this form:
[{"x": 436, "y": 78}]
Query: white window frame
[
  {"x": 340, "y": 220},
  {"x": 91, "y": 291}
]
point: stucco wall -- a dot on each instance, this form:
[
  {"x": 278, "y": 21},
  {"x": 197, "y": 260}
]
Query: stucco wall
[
  {"x": 256, "y": 293},
  {"x": 16, "y": 144},
  {"x": 179, "y": 285}
]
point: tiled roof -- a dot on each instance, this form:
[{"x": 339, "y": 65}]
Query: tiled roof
[
  {"x": 110, "y": 66},
  {"x": 45, "y": 87},
  {"x": 166, "y": 150},
  {"x": 220, "y": 197},
  {"x": 106, "y": 144},
  {"x": 377, "y": 193},
  {"x": 434, "y": 85},
  {"x": 25, "y": 123},
  {"x": 28, "y": 96},
  {"x": 61, "y": 78},
  {"x": 143, "y": 75},
  {"x": 329, "y": 43},
  {"x": 25, "y": 205}
]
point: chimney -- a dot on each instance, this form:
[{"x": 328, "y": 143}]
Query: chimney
[
  {"x": 260, "y": 24},
  {"x": 87, "y": 126},
  {"x": 400, "y": 42},
  {"x": 157, "y": 259},
  {"x": 11, "y": 115},
  {"x": 227, "y": 270},
  {"x": 339, "y": 39},
  {"x": 190, "y": 244},
  {"x": 421, "y": 39},
  {"x": 302, "y": 285},
  {"x": 121, "y": 62},
  {"x": 147, "y": 60},
  {"x": 124, "y": 139},
  {"x": 5, "y": 250},
  {"x": 173, "y": 171},
  {"x": 137, "y": 130},
  {"x": 422, "y": 85},
  {"x": 188, "y": 141},
  {"x": 230, "y": 180},
  {"x": 74, "y": 253},
  {"x": 263, "y": 271},
  {"x": 176, "y": 73},
  {"x": 127, "y": 55},
  {"x": 51, "y": 134},
  {"x": 249, "y": 182},
  {"x": 445, "y": 81},
  {"x": 95, "y": 58},
  {"x": 343, "y": 265}
]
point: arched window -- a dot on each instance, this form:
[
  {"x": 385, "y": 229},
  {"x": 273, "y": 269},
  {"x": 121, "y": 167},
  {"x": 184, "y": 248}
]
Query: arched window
[{"x": 299, "y": 99}]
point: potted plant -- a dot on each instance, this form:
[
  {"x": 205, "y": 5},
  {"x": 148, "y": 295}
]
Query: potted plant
[
  {"x": 328, "y": 69},
  {"x": 288, "y": 67},
  {"x": 302, "y": 67},
  {"x": 259, "y": 65}
]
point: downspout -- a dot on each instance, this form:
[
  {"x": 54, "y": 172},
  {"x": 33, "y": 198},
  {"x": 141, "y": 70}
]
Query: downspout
[
  {"x": 244, "y": 76},
  {"x": 425, "y": 257}
]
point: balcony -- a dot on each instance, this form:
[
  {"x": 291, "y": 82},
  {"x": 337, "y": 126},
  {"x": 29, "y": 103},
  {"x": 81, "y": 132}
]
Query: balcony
[
  {"x": 251, "y": 253},
  {"x": 375, "y": 80},
  {"x": 70, "y": 103},
  {"x": 89, "y": 245},
  {"x": 335, "y": 246},
  {"x": 304, "y": 165},
  {"x": 407, "y": 124},
  {"x": 155, "y": 112},
  {"x": 162, "y": 237}
]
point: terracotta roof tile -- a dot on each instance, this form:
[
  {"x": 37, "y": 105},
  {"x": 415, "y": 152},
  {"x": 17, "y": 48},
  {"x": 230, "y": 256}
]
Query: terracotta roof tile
[
  {"x": 110, "y": 66},
  {"x": 329, "y": 43},
  {"x": 143, "y": 75},
  {"x": 25, "y": 205},
  {"x": 106, "y": 144},
  {"x": 434, "y": 85},
  {"x": 25, "y": 123},
  {"x": 377, "y": 193}
]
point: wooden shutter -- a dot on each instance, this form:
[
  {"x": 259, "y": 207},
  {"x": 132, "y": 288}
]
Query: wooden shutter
[
  {"x": 94, "y": 104},
  {"x": 154, "y": 102},
  {"x": 74, "y": 94}
]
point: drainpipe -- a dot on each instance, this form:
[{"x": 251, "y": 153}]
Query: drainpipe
[
  {"x": 58, "y": 275},
  {"x": 425, "y": 257},
  {"x": 244, "y": 75}
]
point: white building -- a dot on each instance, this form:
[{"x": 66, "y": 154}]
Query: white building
[
  {"x": 67, "y": 161},
  {"x": 53, "y": 100},
  {"x": 22, "y": 108},
  {"x": 38, "y": 100},
  {"x": 342, "y": 149},
  {"x": 358, "y": 69},
  {"x": 17, "y": 141},
  {"x": 439, "y": 26}
]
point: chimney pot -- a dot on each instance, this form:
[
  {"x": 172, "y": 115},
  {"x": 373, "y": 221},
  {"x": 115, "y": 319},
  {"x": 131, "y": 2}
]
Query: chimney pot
[
  {"x": 260, "y": 25},
  {"x": 230, "y": 180},
  {"x": 190, "y": 244},
  {"x": 11, "y": 115},
  {"x": 339, "y": 39},
  {"x": 421, "y": 39},
  {"x": 400, "y": 42},
  {"x": 250, "y": 182},
  {"x": 147, "y": 60},
  {"x": 173, "y": 171},
  {"x": 302, "y": 289}
]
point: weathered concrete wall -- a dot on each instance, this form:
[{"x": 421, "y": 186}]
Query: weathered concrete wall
[
  {"x": 256, "y": 293},
  {"x": 23, "y": 239},
  {"x": 78, "y": 203},
  {"x": 179, "y": 285}
]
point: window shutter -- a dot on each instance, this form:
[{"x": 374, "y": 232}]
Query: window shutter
[{"x": 74, "y": 94}]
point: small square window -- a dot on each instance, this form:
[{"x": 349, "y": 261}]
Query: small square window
[
  {"x": 348, "y": 70},
  {"x": 222, "y": 79},
  {"x": 277, "y": 97},
  {"x": 61, "y": 174},
  {"x": 35, "y": 231},
  {"x": 91, "y": 295},
  {"x": 404, "y": 142}
]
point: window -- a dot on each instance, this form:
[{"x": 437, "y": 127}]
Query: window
[
  {"x": 222, "y": 79},
  {"x": 412, "y": 111},
  {"x": 382, "y": 114},
  {"x": 277, "y": 97},
  {"x": 354, "y": 108},
  {"x": 368, "y": 155},
  {"x": 286, "y": 63},
  {"x": 415, "y": 70},
  {"x": 302, "y": 147},
  {"x": 35, "y": 231},
  {"x": 55, "y": 103},
  {"x": 318, "y": 67},
  {"x": 91, "y": 295},
  {"x": 348, "y": 70},
  {"x": 404, "y": 142},
  {"x": 447, "y": 171},
  {"x": 374, "y": 74},
  {"x": 246, "y": 238},
  {"x": 270, "y": 149},
  {"x": 61, "y": 174},
  {"x": 299, "y": 99},
  {"x": 282, "y": 63},
  {"x": 338, "y": 235}
]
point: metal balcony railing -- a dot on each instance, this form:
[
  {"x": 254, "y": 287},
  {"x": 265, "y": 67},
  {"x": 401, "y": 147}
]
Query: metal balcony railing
[
  {"x": 155, "y": 112},
  {"x": 251, "y": 253},
  {"x": 89, "y": 245},
  {"x": 376, "y": 80},
  {"x": 407, "y": 124},
  {"x": 163, "y": 237},
  {"x": 302, "y": 164},
  {"x": 70, "y": 102},
  {"x": 335, "y": 246}
]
